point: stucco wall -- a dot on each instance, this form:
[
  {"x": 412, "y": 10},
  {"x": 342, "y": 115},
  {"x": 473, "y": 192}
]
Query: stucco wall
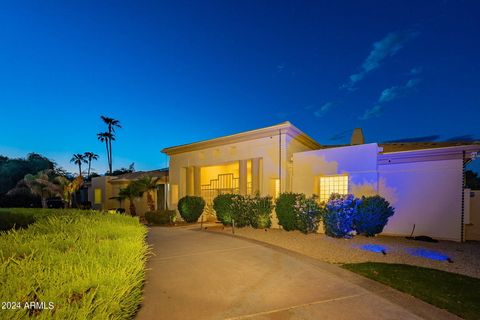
[
  {"x": 359, "y": 162},
  {"x": 266, "y": 148},
  {"x": 427, "y": 194}
]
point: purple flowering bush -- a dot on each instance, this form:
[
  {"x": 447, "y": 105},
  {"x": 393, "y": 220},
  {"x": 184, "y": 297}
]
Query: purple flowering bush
[{"x": 339, "y": 215}]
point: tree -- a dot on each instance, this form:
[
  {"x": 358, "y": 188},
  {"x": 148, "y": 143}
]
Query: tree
[
  {"x": 472, "y": 180},
  {"x": 149, "y": 184},
  {"x": 44, "y": 184},
  {"x": 105, "y": 137},
  {"x": 111, "y": 125},
  {"x": 14, "y": 170},
  {"x": 90, "y": 156},
  {"x": 131, "y": 192},
  {"x": 78, "y": 159}
]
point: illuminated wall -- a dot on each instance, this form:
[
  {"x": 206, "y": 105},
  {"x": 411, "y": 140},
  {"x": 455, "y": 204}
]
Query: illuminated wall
[{"x": 427, "y": 194}]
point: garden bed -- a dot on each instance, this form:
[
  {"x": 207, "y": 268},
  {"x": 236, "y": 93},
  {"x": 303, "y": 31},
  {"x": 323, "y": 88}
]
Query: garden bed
[
  {"x": 465, "y": 256},
  {"x": 81, "y": 265}
]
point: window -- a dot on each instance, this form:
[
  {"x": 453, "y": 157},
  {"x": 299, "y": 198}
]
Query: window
[
  {"x": 98, "y": 196},
  {"x": 333, "y": 184}
]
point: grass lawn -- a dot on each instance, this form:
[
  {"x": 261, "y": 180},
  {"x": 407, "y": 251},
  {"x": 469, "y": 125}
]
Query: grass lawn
[
  {"x": 456, "y": 293},
  {"x": 88, "y": 264}
]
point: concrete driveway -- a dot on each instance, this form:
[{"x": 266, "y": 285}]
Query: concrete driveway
[{"x": 202, "y": 275}]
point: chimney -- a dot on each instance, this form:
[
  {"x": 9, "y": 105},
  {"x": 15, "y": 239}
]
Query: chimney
[{"x": 357, "y": 137}]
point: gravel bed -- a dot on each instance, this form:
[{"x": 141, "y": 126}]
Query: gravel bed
[{"x": 465, "y": 257}]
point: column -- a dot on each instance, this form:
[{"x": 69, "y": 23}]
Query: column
[
  {"x": 255, "y": 175},
  {"x": 190, "y": 181},
  {"x": 242, "y": 166},
  {"x": 196, "y": 181}
]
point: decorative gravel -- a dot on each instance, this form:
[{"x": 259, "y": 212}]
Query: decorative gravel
[{"x": 463, "y": 258}]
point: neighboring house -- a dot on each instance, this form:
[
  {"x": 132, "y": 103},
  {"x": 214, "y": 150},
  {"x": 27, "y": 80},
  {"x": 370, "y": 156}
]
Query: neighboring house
[
  {"x": 103, "y": 190},
  {"x": 423, "y": 181}
]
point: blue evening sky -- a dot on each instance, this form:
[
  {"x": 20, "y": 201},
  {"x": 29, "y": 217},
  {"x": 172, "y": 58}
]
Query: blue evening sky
[{"x": 181, "y": 71}]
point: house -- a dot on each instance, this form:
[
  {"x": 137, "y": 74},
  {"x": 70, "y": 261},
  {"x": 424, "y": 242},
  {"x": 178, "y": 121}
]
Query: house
[
  {"x": 103, "y": 190},
  {"x": 423, "y": 181}
]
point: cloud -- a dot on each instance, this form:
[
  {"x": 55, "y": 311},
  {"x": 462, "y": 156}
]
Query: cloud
[
  {"x": 388, "y": 95},
  {"x": 323, "y": 109},
  {"x": 280, "y": 67},
  {"x": 416, "y": 71},
  {"x": 415, "y": 139},
  {"x": 395, "y": 92},
  {"x": 465, "y": 137},
  {"x": 373, "y": 112},
  {"x": 383, "y": 49}
]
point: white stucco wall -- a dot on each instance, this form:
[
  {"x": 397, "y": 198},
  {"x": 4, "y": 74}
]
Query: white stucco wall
[
  {"x": 427, "y": 194},
  {"x": 473, "y": 226},
  {"x": 359, "y": 162}
]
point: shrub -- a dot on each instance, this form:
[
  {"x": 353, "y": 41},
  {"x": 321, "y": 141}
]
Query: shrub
[
  {"x": 285, "y": 209},
  {"x": 240, "y": 211},
  {"x": 308, "y": 214},
  {"x": 372, "y": 215},
  {"x": 339, "y": 214},
  {"x": 222, "y": 204},
  {"x": 160, "y": 216},
  {"x": 297, "y": 212},
  {"x": 10, "y": 220},
  {"x": 260, "y": 211},
  {"x": 191, "y": 208}
]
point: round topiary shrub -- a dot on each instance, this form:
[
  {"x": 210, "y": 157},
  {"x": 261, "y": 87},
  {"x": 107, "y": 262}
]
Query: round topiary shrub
[
  {"x": 372, "y": 215},
  {"x": 222, "y": 204},
  {"x": 191, "y": 208},
  {"x": 285, "y": 210},
  {"x": 160, "y": 217},
  {"x": 339, "y": 214}
]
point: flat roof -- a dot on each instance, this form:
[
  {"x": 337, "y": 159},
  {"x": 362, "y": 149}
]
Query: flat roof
[{"x": 284, "y": 128}]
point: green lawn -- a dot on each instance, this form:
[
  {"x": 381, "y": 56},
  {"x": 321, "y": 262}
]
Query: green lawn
[
  {"x": 90, "y": 265},
  {"x": 456, "y": 293}
]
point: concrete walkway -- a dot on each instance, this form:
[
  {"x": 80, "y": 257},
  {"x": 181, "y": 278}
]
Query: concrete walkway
[{"x": 201, "y": 275}]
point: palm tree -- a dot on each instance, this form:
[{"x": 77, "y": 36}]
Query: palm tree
[
  {"x": 131, "y": 192},
  {"x": 44, "y": 184},
  {"x": 105, "y": 137},
  {"x": 78, "y": 159},
  {"x": 111, "y": 125},
  {"x": 90, "y": 156},
  {"x": 149, "y": 184}
]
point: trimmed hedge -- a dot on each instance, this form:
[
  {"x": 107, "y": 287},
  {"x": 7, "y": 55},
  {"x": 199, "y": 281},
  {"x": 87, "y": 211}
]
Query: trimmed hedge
[
  {"x": 15, "y": 220},
  {"x": 91, "y": 265},
  {"x": 297, "y": 212},
  {"x": 222, "y": 204},
  {"x": 372, "y": 215},
  {"x": 191, "y": 208},
  {"x": 254, "y": 211},
  {"x": 160, "y": 216}
]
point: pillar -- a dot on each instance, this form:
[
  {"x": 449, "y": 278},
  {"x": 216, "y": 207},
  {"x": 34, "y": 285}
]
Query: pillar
[
  {"x": 242, "y": 183},
  {"x": 255, "y": 175}
]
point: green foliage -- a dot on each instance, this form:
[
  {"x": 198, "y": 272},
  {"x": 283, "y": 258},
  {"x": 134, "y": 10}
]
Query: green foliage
[
  {"x": 372, "y": 215},
  {"x": 160, "y": 216},
  {"x": 15, "y": 220},
  {"x": 340, "y": 211},
  {"x": 222, "y": 204},
  {"x": 14, "y": 170},
  {"x": 260, "y": 211},
  {"x": 308, "y": 213},
  {"x": 295, "y": 211},
  {"x": 91, "y": 265},
  {"x": 450, "y": 291},
  {"x": 191, "y": 208},
  {"x": 285, "y": 209},
  {"x": 240, "y": 211},
  {"x": 472, "y": 180}
]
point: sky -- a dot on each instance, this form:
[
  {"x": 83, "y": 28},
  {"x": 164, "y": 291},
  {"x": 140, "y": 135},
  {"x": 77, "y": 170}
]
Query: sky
[{"x": 182, "y": 71}]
